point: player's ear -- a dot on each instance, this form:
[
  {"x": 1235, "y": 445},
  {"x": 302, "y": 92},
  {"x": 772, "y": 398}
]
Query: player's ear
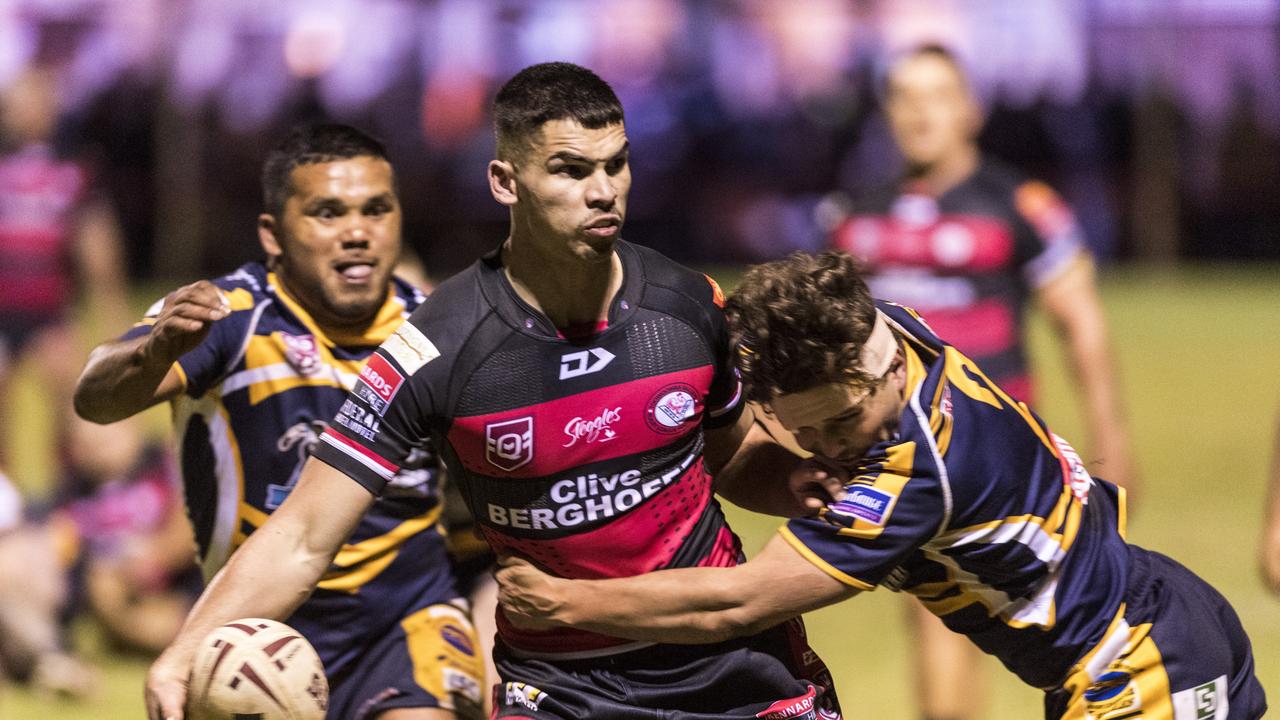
[
  {"x": 268, "y": 237},
  {"x": 502, "y": 182},
  {"x": 898, "y": 371}
]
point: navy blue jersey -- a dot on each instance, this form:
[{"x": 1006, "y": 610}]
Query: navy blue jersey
[
  {"x": 980, "y": 511},
  {"x": 259, "y": 390},
  {"x": 968, "y": 259},
  {"x": 583, "y": 456}
]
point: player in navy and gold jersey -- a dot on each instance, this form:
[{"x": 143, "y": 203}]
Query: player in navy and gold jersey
[
  {"x": 970, "y": 243},
  {"x": 256, "y": 364},
  {"x": 582, "y": 394},
  {"x": 942, "y": 486}
]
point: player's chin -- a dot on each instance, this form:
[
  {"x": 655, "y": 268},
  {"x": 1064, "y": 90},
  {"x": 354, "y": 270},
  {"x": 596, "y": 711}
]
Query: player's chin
[{"x": 357, "y": 303}]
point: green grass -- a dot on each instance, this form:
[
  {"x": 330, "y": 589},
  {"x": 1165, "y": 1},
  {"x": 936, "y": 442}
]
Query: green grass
[{"x": 1200, "y": 352}]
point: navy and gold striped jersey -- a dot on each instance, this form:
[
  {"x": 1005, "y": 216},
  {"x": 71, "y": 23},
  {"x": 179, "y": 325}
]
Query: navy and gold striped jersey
[
  {"x": 980, "y": 511},
  {"x": 258, "y": 392}
]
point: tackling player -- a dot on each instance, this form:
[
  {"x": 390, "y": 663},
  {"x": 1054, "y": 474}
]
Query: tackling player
[
  {"x": 581, "y": 391},
  {"x": 969, "y": 243},
  {"x": 957, "y": 494},
  {"x": 255, "y": 364}
]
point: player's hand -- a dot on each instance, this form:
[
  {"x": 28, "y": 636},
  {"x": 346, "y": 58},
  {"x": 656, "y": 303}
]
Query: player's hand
[
  {"x": 166, "y": 689},
  {"x": 1269, "y": 558},
  {"x": 185, "y": 319},
  {"x": 528, "y": 596},
  {"x": 814, "y": 484}
]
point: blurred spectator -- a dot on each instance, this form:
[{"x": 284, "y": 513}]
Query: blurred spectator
[
  {"x": 136, "y": 572},
  {"x": 56, "y": 237},
  {"x": 968, "y": 243},
  {"x": 33, "y": 595}
]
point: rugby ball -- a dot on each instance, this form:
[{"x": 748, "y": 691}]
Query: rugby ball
[{"x": 256, "y": 668}]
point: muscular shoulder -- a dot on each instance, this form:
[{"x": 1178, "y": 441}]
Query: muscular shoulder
[{"x": 675, "y": 289}]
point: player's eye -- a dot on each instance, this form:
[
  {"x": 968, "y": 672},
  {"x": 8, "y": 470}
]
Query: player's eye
[{"x": 616, "y": 165}]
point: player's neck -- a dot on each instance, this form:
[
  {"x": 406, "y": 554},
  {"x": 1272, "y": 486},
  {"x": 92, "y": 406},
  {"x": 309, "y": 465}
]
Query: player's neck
[
  {"x": 569, "y": 290},
  {"x": 951, "y": 170}
]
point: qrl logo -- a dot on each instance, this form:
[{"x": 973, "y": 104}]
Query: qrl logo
[
  {"x": 381, "y": 377},
  {"x": 509, "y": 444}
]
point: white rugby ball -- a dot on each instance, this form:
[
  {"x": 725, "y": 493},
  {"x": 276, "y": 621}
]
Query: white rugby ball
[{"x": 257, "y": 668}]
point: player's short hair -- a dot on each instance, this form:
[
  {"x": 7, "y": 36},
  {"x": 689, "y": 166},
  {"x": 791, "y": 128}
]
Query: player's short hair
[
  {"x": 307, "y": 145},
  {"x": 550, "y": 91},
  {"x": 801, "y": 322}
]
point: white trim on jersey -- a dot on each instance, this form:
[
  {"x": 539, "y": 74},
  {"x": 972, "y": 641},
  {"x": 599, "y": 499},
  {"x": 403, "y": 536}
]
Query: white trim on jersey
[
  {"x": 226, "y": 472},
  {"x": 380, "y": 471},
  {"x": 281, "y": 371},
  {"x": 733, "y": 401},
  {"x": 944, "y": 479}
]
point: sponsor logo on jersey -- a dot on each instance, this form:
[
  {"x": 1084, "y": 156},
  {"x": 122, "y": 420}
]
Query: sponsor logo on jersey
[
  {"x": 595, "y": 429},
  {"x": 524, "y": 695},
  {"x": 410, "y": 348},
  {"x": 509, "y": 444},
  {"x": 302, "y": 353},
  {"x": 300, "y": 438},
  {"x": 587, "y": 498},
  {"x": 1075, "y": 476},
  {"x": 671, "y": 407},
  {"x": 866, "y": 503},
  {"x": 378, "y": 374},
  {"x": 1113, "y": 695},
  {"x": 585, "y": 362},
  {"x": 358, "y": 420},
  {"x": 945, "y": 406},
  {"x": 797, "y": 708}
]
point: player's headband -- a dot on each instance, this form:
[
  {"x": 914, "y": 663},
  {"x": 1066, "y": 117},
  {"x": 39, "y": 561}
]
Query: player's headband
[{"x": 794, "y": 410}]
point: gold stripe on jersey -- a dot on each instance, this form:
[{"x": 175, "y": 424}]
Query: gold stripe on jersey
[
  {"x": 956, "y": 364},
  {"x": 893, "y": 475},
  {"x": 358, "y": 563},
  {"x": 1146, "y": 692},
  {"x": 266, "y": 351},
  {"x": 182, "y": 375},
  {"x": 389, "y": 317},
  {"x": 823, "y": 565},
  {"x": 239, "y": 299}
]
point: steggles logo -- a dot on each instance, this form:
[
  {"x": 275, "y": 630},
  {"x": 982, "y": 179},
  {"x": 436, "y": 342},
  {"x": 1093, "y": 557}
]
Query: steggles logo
[{"x": 590, "y": 431}]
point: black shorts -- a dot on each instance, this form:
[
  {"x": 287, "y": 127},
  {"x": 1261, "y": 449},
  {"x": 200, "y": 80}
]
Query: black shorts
[
  {"x": 772, "y": 675},
  {"x": 1179, "y": 653}
]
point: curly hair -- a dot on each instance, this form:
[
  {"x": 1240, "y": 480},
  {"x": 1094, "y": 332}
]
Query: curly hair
[{"x": 800, "y": 322}]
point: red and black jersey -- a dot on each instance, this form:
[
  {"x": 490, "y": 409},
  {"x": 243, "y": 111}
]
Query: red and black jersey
[
  {"x": 40, "y": 197},
  {"x": 584, "y": 456},
  {"x": 967, "y": 260}
]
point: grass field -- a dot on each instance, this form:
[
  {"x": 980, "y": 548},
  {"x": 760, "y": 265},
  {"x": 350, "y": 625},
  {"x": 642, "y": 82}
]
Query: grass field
[{"x": 1200, "y": 351}]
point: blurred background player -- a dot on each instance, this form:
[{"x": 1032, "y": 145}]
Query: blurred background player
[
  {"x": 255, "y": 364},
  {"x": 968, "y": 243},
  {"x": 58, "y": 239}
]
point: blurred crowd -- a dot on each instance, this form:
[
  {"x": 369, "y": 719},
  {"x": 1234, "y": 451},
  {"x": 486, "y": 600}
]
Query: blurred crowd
[{"x": 133, "y": 131}]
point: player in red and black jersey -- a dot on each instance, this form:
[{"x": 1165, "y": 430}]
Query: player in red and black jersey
[
  {"x": 581, "y": 392},
  {"x": 968, "y": 243}
]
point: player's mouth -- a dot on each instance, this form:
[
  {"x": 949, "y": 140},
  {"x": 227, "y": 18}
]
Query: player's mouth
[
  {"x": 356, "y": 272},
  {"x": 604, "y": 227}
]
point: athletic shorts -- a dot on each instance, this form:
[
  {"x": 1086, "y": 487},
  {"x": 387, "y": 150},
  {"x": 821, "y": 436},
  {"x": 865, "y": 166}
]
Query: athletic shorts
[
  {"x": 1178, "y": 653},
  {"x": 402, "y": 639},
  {"x": 747, "y": 678}
]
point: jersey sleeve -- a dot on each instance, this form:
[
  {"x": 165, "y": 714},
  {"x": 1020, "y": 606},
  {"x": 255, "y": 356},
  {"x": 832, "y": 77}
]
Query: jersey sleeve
[
  {"x": 1049, "y": 239},
  {"x": 386, "y": 416},
  {"x": 891, "y": 508},
  {"x": 724, "y": 398},
  {"x": 205, "y": 365}
]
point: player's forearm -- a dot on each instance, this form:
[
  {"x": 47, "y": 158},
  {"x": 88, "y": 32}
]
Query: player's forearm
[
  {"x": 684, "y": 606},
  {"x": 269, "y": 577},
  {"x": 119, "y": 380}
]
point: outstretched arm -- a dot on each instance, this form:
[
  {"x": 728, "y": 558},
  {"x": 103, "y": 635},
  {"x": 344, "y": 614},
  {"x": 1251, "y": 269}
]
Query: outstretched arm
[
  {"x": 1072, "y": 302},
  {"x": 125, "y": 377},
  {"x": 269, "y": 576},
  {"x": 687, "y": 605}
]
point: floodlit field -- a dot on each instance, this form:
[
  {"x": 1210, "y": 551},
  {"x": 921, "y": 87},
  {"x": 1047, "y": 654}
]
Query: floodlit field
[{"x": 1200, "y": 351}]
